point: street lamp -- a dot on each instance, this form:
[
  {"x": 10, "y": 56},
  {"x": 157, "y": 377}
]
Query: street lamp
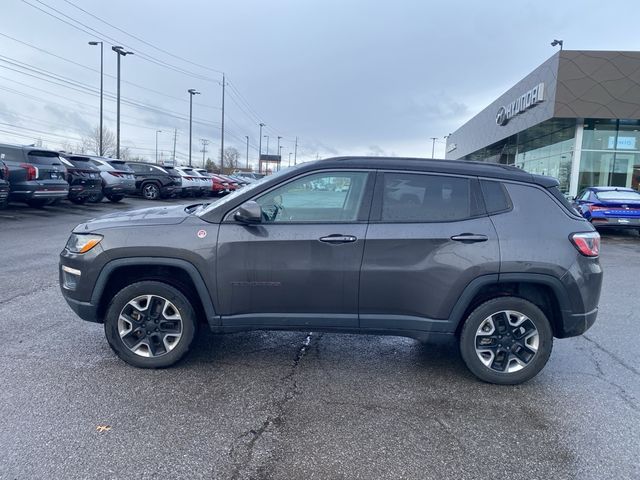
[
  {"x": 433, "y": 146},
  {"x": 290, "y": 158},
  {"x": 157, "y": 132},
  {"x": 121, "y": 53},
  {"x": 100, "y": 149},
  {"x": 555, "y": 43},
  {"x": 192, "y": 92}
]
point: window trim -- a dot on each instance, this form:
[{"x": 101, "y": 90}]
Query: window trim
[
  {"x": 378, "y": 194},
  {"x": 364, "y": 209}
]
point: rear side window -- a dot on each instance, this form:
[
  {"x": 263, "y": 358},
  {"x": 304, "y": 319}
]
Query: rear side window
[
  {"x": 413, "y": 197},
  {"x": 496, "y": 198},
  {"x": 44, "y": 158}
]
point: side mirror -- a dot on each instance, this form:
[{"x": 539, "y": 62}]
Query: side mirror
[{"x": 248, "y": 212}]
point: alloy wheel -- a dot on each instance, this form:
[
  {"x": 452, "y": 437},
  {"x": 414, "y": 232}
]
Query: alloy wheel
[
  {"x": 150, "y": 326},
  {"x": 150, "y": 191},
  {"x": 507, "y": 341}
]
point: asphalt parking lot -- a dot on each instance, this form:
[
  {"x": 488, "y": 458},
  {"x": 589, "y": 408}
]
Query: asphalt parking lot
[{"x": 297, "y": 405}]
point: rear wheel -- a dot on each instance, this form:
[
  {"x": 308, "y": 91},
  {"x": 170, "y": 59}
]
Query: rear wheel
[
  {"x": 115, "y": 198},
  {"x": 151, "y": 191},
  {"x": 96, "y": 197},
  {"x": 150, "y": 324},
  {"x": 506, "y": 340},
  {"x": 78, "y": 201}
]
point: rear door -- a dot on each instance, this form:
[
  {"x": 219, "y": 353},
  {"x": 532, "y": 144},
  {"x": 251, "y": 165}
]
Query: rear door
[
  {"x": 301, "y": 265},
  {"x": 428, "y": 238}
]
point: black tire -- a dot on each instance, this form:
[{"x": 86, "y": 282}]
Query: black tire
[
  {"x": 78, "y": 201},
  {"x": 163, "y": 359},
  {"x": 37, "y": 202},
  {"x": 96, "y": 197},
  {"x": 150, "y": 191},
  {"x": 115, "y": 198},
  {"x": 496, "y": 371}
]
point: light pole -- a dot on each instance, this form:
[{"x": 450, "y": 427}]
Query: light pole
[
  {"x": 555, "y": 43},
  {"x": 267, "y": 137},
  {"x": 290, "y": 158},
  {"x": 101, "y": 151},
  {"x": 260, "y": 148},
  {"x": 433, "y": 146},
  {"x": 157, "y": 132},
  {"x": 192, "y": 92},
  {"x": 280, "y": 147},
  {"x": 120, "y": 52},
  {"x": 247, "y": 137},
  {"x": 279, "y": 137}
]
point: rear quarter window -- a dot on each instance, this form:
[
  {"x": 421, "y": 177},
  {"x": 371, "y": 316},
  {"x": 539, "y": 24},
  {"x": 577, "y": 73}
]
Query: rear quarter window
[{"x": 496, "y": 198}]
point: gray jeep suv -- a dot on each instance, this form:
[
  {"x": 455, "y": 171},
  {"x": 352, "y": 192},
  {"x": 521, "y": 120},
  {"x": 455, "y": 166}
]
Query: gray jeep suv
[{"x": 429, "y": 249}]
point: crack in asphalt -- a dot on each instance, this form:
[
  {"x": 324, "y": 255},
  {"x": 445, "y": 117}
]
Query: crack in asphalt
[
  {"x": 242, "y": 451},
  {"x": 30, "y": 292},
  {"x": 612, "y": 355}
]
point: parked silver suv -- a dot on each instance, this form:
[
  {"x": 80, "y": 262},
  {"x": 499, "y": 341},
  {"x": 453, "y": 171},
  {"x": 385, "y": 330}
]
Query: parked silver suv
[{"x": 487, "y": 254}]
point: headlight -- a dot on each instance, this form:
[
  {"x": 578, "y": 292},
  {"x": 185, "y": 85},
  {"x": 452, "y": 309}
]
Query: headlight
[{"x": 82, "y": 243}]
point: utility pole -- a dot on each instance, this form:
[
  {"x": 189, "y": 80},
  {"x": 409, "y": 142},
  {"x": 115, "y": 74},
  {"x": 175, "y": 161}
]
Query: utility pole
[
  {"x": 247, "y": 137},
  {"x": 295, "y": 153},
  {"x": 222, "y": 132},
  {"x": 157, "y": 132},
  {"x": 433, "y": 146},
  {"x": 175, "y": 138},
  {"x": 279, "y": 137},
  {"x": 121, "y": 53},
  {"x": 267, "y": 137},
  {"x": 290, "y": 158},
  {"x": 205, "y": 142},
  {"x": 260, "y": 148},
  {"x": 192, "y": 92}
]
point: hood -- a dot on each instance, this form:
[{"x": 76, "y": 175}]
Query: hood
[{"x": 170, "y": 215}]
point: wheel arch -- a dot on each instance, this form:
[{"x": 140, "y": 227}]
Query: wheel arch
[
  {"x": 178, "y": 273},
  {"x": 544, "y": 291}
]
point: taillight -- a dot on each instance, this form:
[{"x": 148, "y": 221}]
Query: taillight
[
  {"x": 116, "y": 174},
  {"x": 32, "y": 172},
  {"x": 587, "y": 243},
  {"x": 595, "y": 208}
]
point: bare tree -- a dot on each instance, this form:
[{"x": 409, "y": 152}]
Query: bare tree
[
  {"x": 91, "y": 143},
  {"x": 231, "y": 159}
]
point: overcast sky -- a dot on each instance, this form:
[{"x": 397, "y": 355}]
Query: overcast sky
[{"x": 345, "y": 76}]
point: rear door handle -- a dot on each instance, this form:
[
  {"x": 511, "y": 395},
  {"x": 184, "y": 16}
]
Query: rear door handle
[
  {"x": 469, "y": 238},
  {"x": 338, "y": 238}
]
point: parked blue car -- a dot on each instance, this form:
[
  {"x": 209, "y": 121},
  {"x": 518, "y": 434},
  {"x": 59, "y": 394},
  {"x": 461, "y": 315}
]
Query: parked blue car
[{"x": 610, "y": 207}]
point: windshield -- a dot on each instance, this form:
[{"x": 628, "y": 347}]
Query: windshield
[
  {"x": 250, "y": 187},
  {"x": 624, "y": 195},
  {"x": 44, "y": 158}
]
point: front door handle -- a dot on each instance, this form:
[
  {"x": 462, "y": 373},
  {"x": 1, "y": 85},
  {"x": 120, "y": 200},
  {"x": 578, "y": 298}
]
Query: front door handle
[
  {"x": 338, "y": 238},
  {"x": 469, "y": 238}
]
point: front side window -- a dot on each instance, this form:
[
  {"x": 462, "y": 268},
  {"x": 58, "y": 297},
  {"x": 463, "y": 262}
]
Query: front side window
[
  {"x": 409, "y": 197},
  {"x": 322, "y": 197}
]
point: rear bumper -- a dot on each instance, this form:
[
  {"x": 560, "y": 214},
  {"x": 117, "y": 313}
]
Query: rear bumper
[
  {"x": 38, "y": 192},
  {"x": 615, "y": 222},
  {"x": 83, "y": 191},
  {"x": 577, "y": 323},
  {"x": 167, "y": 191}
]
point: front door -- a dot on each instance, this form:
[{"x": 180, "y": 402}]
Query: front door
[{"x": 300, "y": 266}]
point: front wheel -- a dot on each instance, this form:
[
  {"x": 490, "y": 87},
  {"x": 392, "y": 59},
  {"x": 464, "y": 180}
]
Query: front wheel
[
  {"x": 150, "y": 324},
  {"x": 95, "y": 197},
  {"x": 115, "y": 198},
  {"x": 151, "y": 191},
  {"x": 506, "y": 340}
]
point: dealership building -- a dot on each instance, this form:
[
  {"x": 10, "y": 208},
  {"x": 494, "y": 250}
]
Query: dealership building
[{"x": 576, "y": 118}]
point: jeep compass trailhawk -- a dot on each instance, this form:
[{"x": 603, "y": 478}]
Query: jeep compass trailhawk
[{"x": 488, "y": 254}]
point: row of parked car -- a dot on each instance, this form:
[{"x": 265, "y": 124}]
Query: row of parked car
[{"x": 41, "y": 177}]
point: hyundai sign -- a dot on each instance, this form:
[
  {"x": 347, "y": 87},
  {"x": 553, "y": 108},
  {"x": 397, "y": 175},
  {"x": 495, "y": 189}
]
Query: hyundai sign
[{"x": 520, "y": 104}]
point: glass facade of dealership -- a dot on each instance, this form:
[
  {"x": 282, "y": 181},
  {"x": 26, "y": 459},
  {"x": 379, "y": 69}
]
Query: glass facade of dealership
[
  {"x": 608, "y": 152},
  {"x": 584, "y": 129}
]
